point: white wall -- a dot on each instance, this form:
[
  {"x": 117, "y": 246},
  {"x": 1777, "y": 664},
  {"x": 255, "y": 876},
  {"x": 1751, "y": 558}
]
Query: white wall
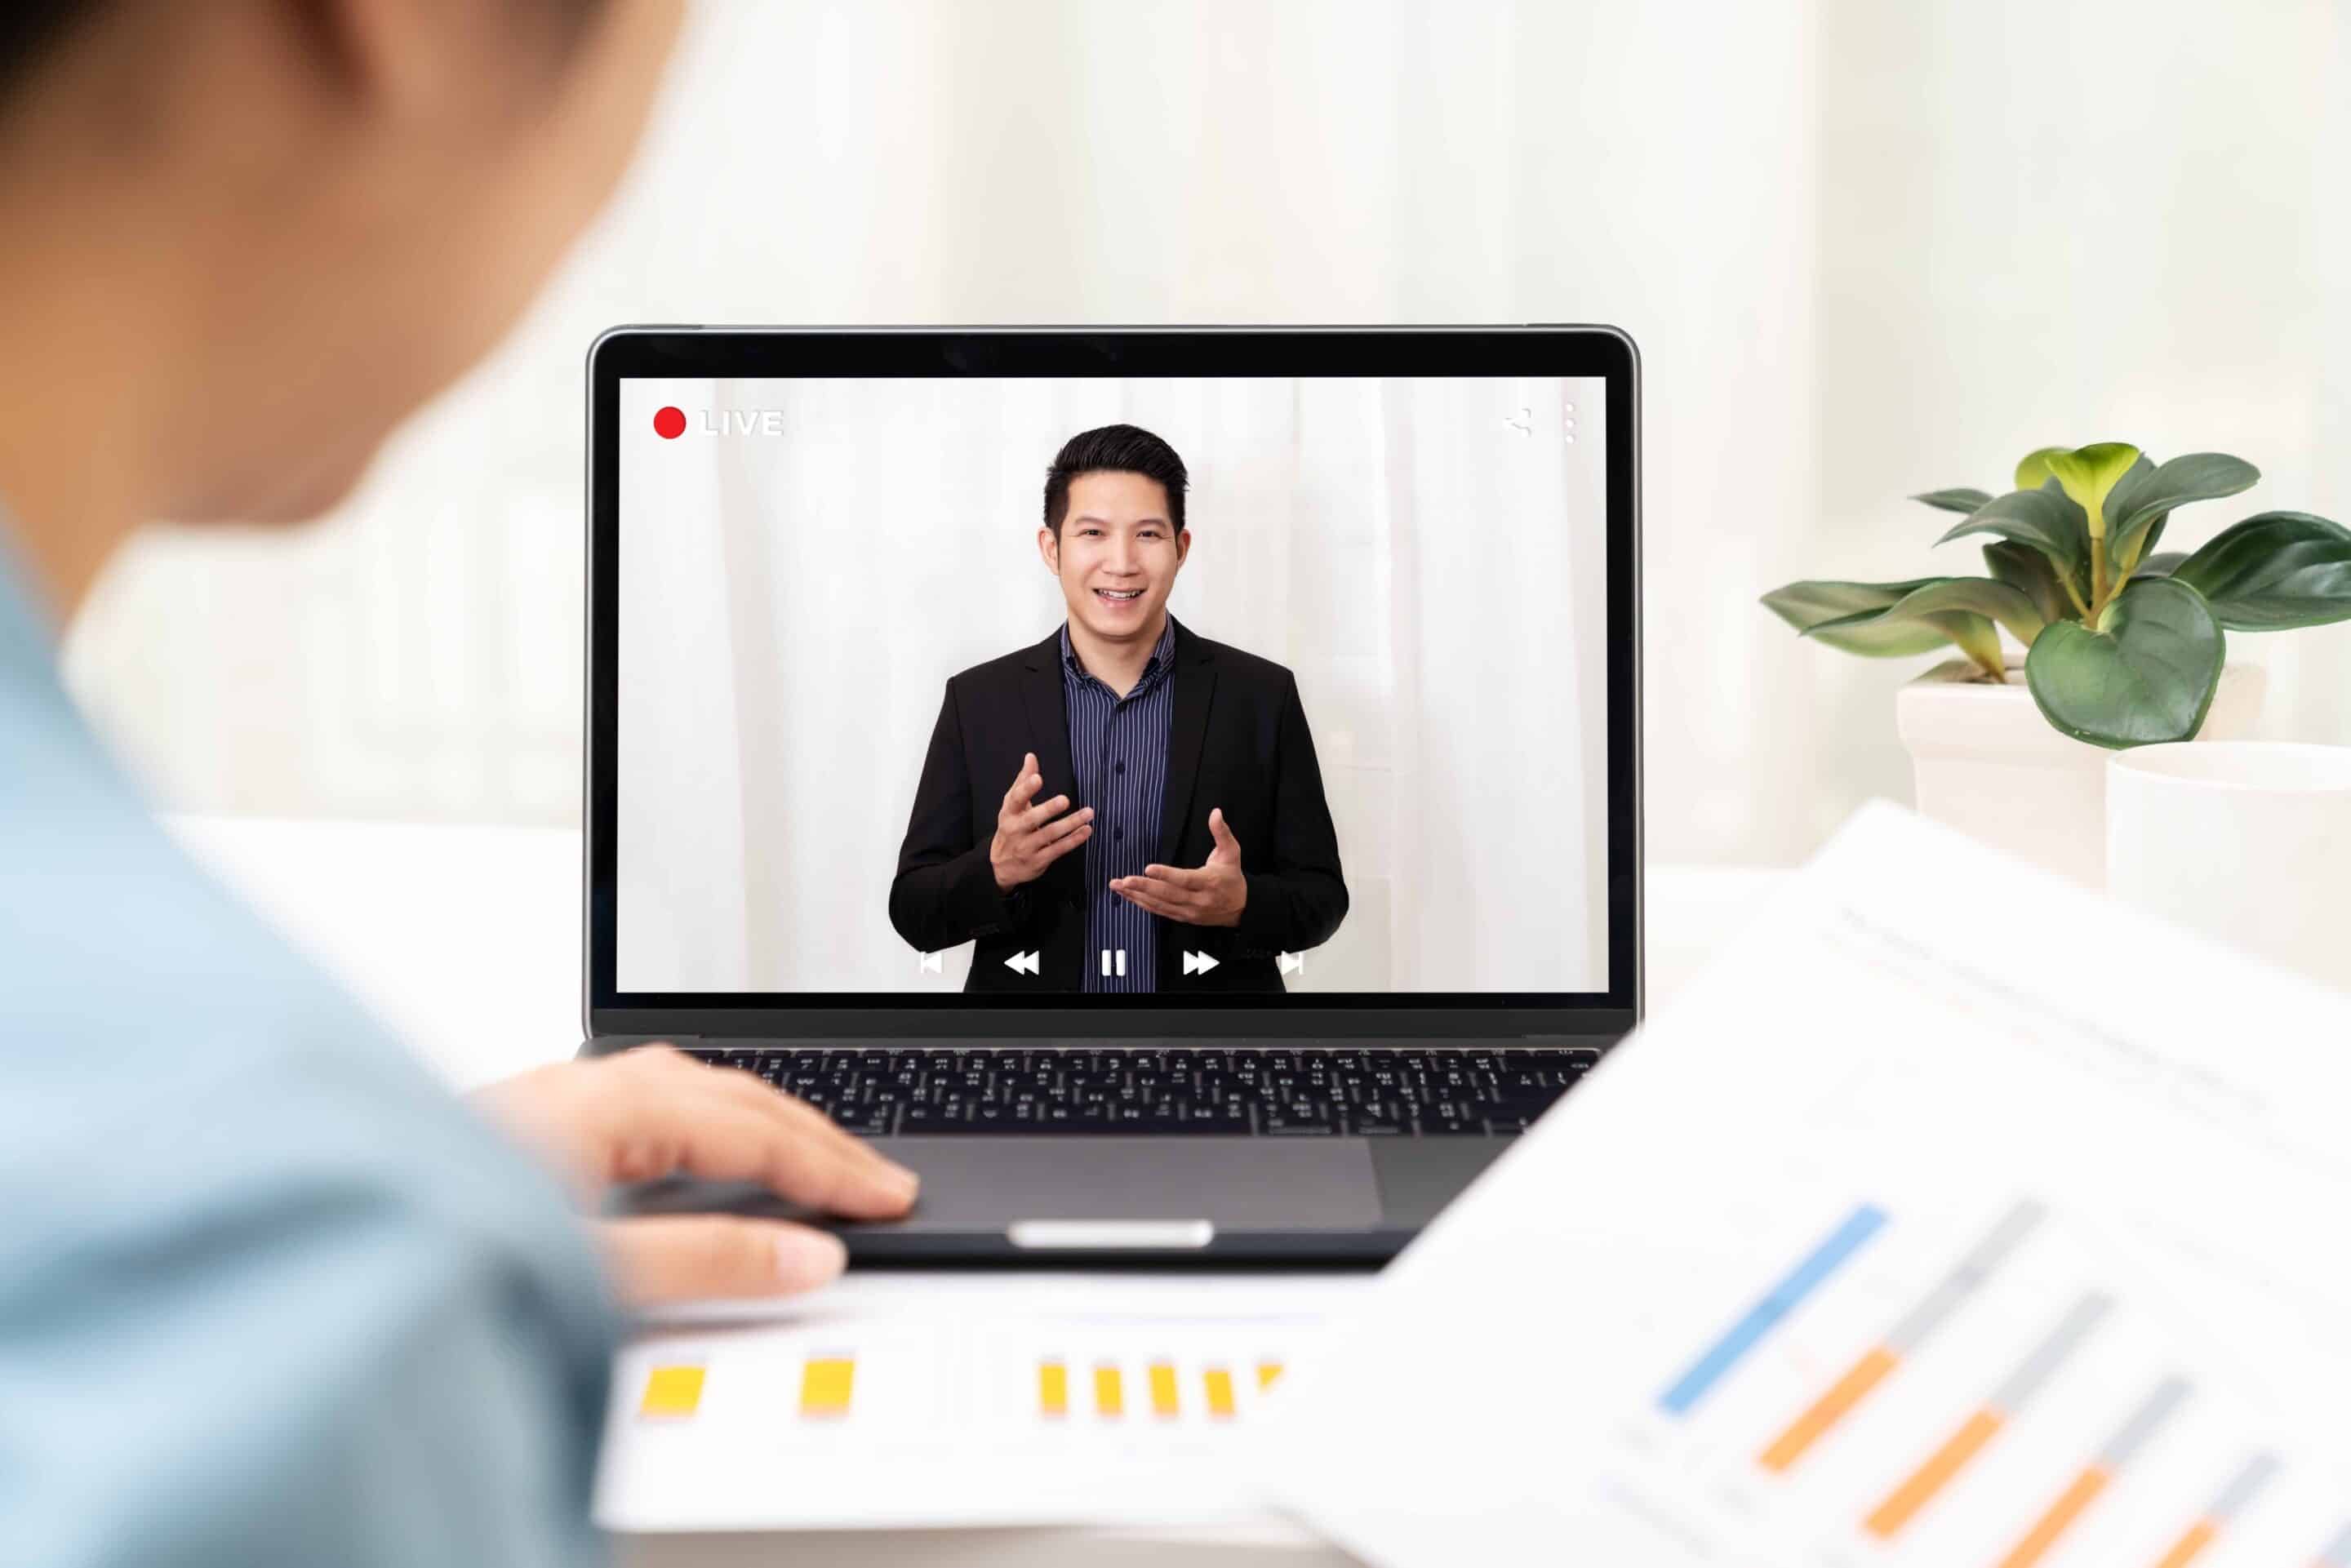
[{"x": 1868, "y": 248}]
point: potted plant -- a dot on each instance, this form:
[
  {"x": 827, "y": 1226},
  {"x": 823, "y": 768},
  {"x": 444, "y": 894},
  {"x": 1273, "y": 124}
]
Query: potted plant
[{"x": 2124, "y": 645}]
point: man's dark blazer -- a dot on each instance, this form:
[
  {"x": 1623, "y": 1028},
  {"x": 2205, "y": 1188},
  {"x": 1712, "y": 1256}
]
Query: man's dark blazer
[{"x": 1238, "y": 740}]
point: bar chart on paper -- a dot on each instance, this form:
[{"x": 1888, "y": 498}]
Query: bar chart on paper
[
  {"x": 1022, "y": 1403},
  {"x": 1970, "y": 1389}
]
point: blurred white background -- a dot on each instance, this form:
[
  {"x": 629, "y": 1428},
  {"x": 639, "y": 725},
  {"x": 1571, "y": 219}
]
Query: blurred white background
[{"x": 1866, "y": 248}]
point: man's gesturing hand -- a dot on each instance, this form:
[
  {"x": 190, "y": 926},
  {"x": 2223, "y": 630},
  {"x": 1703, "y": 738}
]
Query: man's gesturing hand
[
  {"x": 653, "y": 1110},
  {"x": 1031, "y": 838},
  {"x": 1213, "y": 895}
]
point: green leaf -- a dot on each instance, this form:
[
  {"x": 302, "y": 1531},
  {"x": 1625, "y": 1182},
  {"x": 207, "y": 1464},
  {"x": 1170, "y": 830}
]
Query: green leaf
[
  {"x": 1980, "y": 597},
  {"x": 2161, "y": 565},
  {"x": 1965, "y": 498},
  {"x": 2028, "y": 571},
  {"x": 1871, "y": 631},
  {"x": 2045, "y": 519},
  {"x": 1817, "y": 608},
  {"x": 2146, "y": 495},
  {"x": 2089, "y": 474},
  {"x": 2274, "y": 571},
  {"x": 2032, "y": 469},
  {"x": 2147, "y": 676}
]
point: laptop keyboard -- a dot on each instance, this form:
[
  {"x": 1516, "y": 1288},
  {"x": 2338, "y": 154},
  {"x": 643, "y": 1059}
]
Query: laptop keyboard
[{"x": 1274, "y": 1091}]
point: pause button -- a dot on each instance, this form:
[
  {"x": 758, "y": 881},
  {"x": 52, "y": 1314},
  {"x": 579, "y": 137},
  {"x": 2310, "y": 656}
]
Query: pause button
[{"x": 1113, "y": 960}]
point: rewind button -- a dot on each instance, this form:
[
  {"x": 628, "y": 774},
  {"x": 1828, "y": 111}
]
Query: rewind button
[{"x": 1023, "y": 963}]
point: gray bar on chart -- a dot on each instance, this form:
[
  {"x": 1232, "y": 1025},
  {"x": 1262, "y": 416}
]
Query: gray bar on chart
[
  {"x": 1964, "y": 1279},
  {"x": 2134, "y": 1433},
  {"x": 2241, "y": 1490},
  {"x": 2337, "y": 1555},
  {"x": 2076, "y": 1325}
]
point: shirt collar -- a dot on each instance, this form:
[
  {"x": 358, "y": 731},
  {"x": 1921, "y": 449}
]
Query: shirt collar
[{"x": 1162, "y": 653}]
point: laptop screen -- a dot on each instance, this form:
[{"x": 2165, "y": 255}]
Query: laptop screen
[{"x": 1098, "y": 690}]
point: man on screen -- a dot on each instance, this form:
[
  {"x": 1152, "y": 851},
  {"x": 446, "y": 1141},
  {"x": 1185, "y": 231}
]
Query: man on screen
[{"x": 1126, "y": 805}]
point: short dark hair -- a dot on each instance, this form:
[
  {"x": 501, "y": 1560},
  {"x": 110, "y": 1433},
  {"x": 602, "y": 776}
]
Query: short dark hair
[
  {"x": 1115, "y": 449},
  {"x": 32, "y": 30}
]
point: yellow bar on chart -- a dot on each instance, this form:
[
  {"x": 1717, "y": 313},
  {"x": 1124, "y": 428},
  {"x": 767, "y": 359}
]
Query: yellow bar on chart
[
  {"x": 1052, "y": 1388},
  {"x": 1220, "y": 1391},
  {"x": 826, "y": 1383},
  {"x": 2058, "y": 1519},
  {"x": 1929, "y": 1478},
  {"x": 1829, "y": 1409},
  {"x": 1110, "y": 1394},
  {"x": 1164, "y": 1402},
  {"x": 672, "y": 1391},
  {"x": 2190, "y": 1544},
  {"x": 1267, "y": 1371}
]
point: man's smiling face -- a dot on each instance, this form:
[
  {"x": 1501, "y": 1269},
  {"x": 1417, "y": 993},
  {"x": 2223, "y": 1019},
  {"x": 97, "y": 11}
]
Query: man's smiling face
[{"x": 1117, "y": 556}]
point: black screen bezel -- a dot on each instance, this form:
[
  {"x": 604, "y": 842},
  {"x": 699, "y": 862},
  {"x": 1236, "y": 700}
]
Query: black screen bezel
[{"x": 1602, "y": 352}]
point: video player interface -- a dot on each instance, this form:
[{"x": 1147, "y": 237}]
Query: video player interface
[{"x": 1112, "y": 688}]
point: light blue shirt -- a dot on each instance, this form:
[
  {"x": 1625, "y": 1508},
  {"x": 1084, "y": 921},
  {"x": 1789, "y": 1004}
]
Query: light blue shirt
[{"x": 267, "y": 1293}]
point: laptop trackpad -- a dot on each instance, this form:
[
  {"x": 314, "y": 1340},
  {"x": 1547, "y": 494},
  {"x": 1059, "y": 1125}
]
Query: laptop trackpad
[{"x": 994, "y": 1183}]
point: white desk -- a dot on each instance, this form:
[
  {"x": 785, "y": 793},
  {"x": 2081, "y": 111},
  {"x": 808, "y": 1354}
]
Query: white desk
[{"x": 467, "y": 939}]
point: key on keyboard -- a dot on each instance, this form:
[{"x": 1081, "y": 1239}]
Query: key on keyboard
[{"x": 1284, "y": 1091}]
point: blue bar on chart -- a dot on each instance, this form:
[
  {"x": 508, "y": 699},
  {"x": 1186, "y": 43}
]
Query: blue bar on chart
[{"x": 1780, "y": 1301}]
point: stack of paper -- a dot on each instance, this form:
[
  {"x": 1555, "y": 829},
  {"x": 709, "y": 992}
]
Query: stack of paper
[
  {"x": 1956, "y": 1216},
  {"x": 958, "y": 1399}
]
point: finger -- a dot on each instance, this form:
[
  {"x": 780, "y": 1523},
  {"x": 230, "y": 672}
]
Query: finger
[
  {"x": 666, "y": 1121},
  {"x": 1176, "y": 876},
  {"x": 1060, "y": 826},
  {"x": 1037, "y": 816},
  {"x": 1050, "y": 851},
  {"x": 800, "y": 1118},
  {"x": 695, "y": 1257},
  {"x": 1025, "y": 784},
  {"x": 1140, "y": 893},
  {"x": 1221, "y": 833}
]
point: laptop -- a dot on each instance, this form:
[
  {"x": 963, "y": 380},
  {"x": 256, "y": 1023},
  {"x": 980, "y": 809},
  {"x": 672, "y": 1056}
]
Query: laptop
[{"x": 1178, "y": 789}]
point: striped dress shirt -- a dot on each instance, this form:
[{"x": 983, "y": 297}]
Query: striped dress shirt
[{"x": 1118, "y": 747}]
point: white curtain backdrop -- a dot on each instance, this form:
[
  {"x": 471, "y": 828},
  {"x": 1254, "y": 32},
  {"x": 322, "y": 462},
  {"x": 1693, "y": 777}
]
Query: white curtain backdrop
[
  {"x": 1867, "y": 249},
  {"x": 1426, "y": 555}
]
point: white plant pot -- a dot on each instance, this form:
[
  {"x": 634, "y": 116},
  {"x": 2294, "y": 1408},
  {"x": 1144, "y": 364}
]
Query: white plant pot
[{"x": 1988, "y": 764}]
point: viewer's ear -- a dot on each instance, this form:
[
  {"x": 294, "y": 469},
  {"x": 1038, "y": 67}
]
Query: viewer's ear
[
  {"x": 1049, "y": 549},
  {"x": 1182, "y": 546}
]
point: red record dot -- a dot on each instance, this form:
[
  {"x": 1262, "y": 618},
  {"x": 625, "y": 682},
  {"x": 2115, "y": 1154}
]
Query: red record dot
[{"x": 669, "y": 424}]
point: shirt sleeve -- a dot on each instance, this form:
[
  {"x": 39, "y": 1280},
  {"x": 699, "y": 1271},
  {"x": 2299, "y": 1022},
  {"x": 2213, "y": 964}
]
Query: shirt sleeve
[{"x": 312, "y": 1315}]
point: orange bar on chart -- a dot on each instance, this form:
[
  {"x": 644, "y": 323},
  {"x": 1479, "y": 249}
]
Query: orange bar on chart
[
  {"x": 1829, "y": 1409},
  {"x": 2190, "y": 1544},
  {"x": 1929, "y": 1478},
  {"x": 826, "y": 1384},
  {"x": 1164, "y": 1402},
  {"x": 672, "y": 1391},
  {"x": 1052, "y": 1388},
  {"x": 1110, "y": 1394},
  {"x": 1267, "y": 1371},
  {"x": 1220, "y": 1391},
  {"x": 2058, "y": 1519}
]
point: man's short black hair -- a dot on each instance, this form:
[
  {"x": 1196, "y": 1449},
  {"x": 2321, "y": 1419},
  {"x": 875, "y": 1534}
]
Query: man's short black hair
[{"x": 1115, "y": 449}]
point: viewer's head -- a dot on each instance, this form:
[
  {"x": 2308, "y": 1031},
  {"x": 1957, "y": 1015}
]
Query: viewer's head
[
  {"x": 1115, "y": 531},
  {"x": 264, "y": 231}
]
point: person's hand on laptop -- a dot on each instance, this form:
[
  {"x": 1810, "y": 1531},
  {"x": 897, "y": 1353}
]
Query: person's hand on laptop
[
  {"x": 653, "y": 1112},
  {"x": 1213, "y": 895},
  {"x": 1031, "y": 838}
]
